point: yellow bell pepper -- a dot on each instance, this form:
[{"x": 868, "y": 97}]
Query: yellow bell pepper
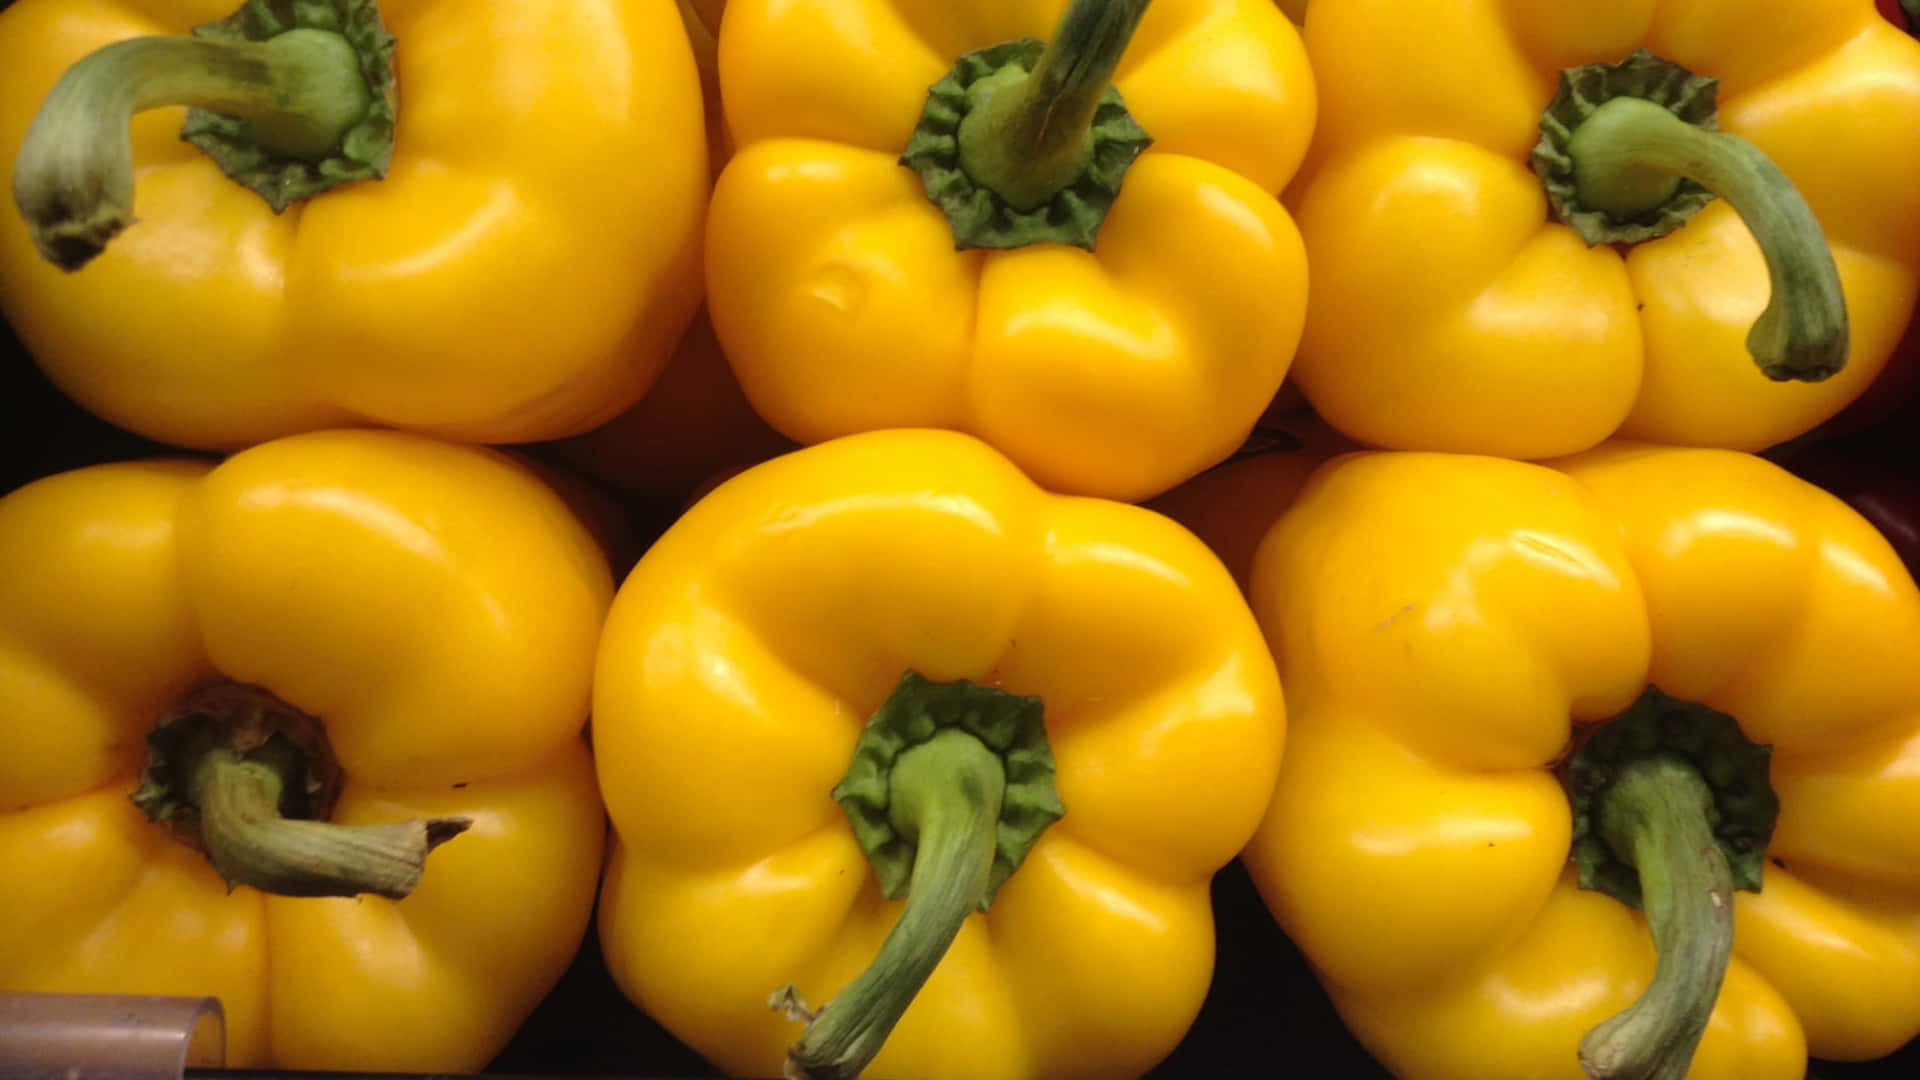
[
  {"x": 511, "y": 255},
  {"x": 1462, "y": 302},
  {"x": 1468, "y": 646},
  {"x": 387, "y": 638},
  {"x": 906, "y": 236},
  {"x": 918, "y": 578}
]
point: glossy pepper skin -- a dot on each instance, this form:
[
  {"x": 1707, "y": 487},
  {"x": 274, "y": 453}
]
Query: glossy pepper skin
[
  {"x": 843, "y": 305},
  {"x": 1451, "y": 311},
  {"x": 1444, "y": 624},
  {"x": 435, "y": 606},
  {"x": 739, "y": 663},
  {"x": 521, "y": 272}
]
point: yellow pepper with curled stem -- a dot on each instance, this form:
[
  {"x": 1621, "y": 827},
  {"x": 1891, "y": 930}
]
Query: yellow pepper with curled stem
[
  {"x": 1529, "y": 700},
  {"x": 1074, "y": 725},
  {"x": 479, "y": 221},
  {"x": 1073, "y": 251},
  {"x": 342, "y": 651},
  {"x": 1507, "y": 268}
]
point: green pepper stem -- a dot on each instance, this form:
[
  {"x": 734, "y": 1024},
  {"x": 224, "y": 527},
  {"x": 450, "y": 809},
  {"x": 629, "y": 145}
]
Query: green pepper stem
[
  {"x": 1029, "y": 135},
  {"x": 250, "y": 843},
  {"x": 300, "y": 92},
  {"x": 946, "y": 795},
  {"x": 1657, "y": 815},
  {"x": 1627, "y": 158}
]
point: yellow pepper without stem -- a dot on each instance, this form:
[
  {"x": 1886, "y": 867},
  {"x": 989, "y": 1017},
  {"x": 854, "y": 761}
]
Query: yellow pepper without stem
[
  {"x": 1468, "y": 645},
  {"x": 1457, "y": 302},
  {"x": 361, "y": 628},
  {"x": 511, "y": 253},
  {"x": 1070, "y": 251},
  {"x": 1029, "y": 652}
]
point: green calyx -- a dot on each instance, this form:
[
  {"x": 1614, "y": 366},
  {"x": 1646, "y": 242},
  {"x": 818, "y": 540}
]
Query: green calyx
[
  {"x": 1024, "y": 143},
  {"x": 1662, "y": 201},
  {"x": 1734, "y": 769},
  {"x": 950, "y": 786},
  {"x": 1910, "y": 9},
  {"x": 245, "y": 147},
  {"x": 1628, "y": 152},
  {"x": 290, "y": 98},
  {"x": 1672, "y": 813},
  {"x": 248, "y": 781},
  {"x": 1009, "y": 726}
]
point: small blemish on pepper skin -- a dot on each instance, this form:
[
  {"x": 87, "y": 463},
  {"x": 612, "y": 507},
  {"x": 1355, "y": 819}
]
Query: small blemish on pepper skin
[
  {"x": 1395, "y": 617},
  {"x": 839, "y": 286}
]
